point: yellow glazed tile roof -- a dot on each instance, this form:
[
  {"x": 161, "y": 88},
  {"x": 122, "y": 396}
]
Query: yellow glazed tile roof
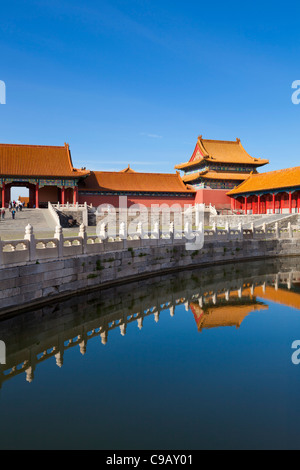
[
  {"x": 216, "y": 175},
  {"x": 136, "y": 182},
  {"x": 37, "y": 160},
  {"x": 271, "y": 180},
  {"x": 223, "y": 315},
  {"x": 221, "y": 151},
  {"x": 281, "y": 296}
]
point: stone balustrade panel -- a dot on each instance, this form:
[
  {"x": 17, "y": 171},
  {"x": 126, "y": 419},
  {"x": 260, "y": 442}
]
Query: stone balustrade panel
[{"x": 60, "y": 246}]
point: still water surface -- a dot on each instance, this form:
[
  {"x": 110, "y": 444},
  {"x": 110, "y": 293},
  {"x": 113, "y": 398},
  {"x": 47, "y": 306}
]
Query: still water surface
[{"x": 200, "y": 359}]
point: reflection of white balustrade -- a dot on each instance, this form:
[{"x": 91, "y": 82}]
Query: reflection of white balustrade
[{"x": 79, "y": 337}]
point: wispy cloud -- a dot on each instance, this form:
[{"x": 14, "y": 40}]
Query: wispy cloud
[
  {"x": 152, "y": 136},
  {"x": 134, "y": 162}
]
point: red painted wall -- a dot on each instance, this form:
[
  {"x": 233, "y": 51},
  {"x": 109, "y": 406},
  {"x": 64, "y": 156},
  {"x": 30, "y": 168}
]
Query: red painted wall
[
  {"x": 147, "y": 201},
  {"x": 215, "y": 197}
]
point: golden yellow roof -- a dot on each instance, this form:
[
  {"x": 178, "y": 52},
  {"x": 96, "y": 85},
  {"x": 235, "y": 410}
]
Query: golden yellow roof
[
  {"x": 280, "y": 296},
  {"x": 37, "y": 160},
  {"x": 221, "y": 151},
  {"x": 215, "y": 175},
  {"x": 127, "y": 170},
  {"x": 223, "y": 315},
  {"x": 132, "y": 181},
  {"x": 271, "y": 180}
]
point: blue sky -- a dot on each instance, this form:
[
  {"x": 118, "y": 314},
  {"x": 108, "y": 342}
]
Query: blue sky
[{"x": 137, "y": 81}]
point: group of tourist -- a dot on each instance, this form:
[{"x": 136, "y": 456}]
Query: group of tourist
[{"x": 13, "y": 207}]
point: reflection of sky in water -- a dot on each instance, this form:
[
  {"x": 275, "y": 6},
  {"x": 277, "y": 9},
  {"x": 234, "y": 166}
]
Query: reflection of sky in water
[{"x": 167, "y": 385}]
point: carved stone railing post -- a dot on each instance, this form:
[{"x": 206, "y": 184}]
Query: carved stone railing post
[
  {"x": 187, "y": 230},
  {"x": 58, "y": 235},
  {"x": 197, "y": 214},
  {"x": 240, "y": 230},
  {"x": 140, "y": 232},
  {"x": 29, "y": 235},
  {"x": 82, "y": 234},
  {"x": 102, "y": 231},
  {"x": 200, "y": 231},
  {"x": 85, "y": 215},
  {"x": 123, "y": 234},
  {"x": 171, "y": 232},
  {"x": 156, "y": 232},
  {"x": 290, "y": 230}
]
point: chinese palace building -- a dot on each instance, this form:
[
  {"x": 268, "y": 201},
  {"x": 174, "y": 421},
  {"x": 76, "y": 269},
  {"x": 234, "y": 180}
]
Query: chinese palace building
[
  {"x": 105, "y": 187},
  {"x": 274, "y": 192},
  {"x": 47, "y": 172},
  {"x": 217, "y": 166}
]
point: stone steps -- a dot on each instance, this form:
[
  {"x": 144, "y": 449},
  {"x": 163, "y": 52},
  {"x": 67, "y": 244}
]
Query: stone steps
[
  {"x": 40, "y": 219},
  {"x": 270, "y": 220}
]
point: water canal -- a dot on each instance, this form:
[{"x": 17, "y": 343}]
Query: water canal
[{"x": 201, "y": 359}]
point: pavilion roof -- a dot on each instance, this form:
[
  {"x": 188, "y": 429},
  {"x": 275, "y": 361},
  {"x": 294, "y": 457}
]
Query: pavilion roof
[
  {"x": 135, "y": 182},
  {"x": 217, "y": 175},
  {"x": 280, "y": 296},
  {"x": 224, "y": 315},
  {"x": 220, "y": 151},
  {"x": 128, "y": 170},
  {"x": 37, "y": 161},
  {"x": 269, "y": 181}
]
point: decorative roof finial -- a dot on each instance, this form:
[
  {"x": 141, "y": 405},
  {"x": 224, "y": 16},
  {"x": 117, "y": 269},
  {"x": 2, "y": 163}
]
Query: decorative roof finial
[
  {"x": 238, "y": 140},
  {"x": 200, "y": 137}
]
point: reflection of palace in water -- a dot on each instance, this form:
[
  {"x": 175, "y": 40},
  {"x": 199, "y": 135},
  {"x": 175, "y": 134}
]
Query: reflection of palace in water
[
  {"x": 216, "y": 297},
  {"x": 232, "y": 307}
]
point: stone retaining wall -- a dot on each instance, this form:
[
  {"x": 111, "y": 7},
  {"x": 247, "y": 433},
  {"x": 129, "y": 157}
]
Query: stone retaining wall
[{"x": 38, "y": 282}]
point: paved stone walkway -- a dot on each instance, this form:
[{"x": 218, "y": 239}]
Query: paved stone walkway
[{"x": 40, "y": 219}]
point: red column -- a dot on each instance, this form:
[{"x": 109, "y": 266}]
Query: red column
[
  {"x": 232, "y": 201},
  {"x": 258, "y": 205},
  {"x": 3, "y": 195},
  {"x": 281, "y": 202},
  {"x": 37, "y": 196},
  {"x": 298, "y": 201},
  {"x": 274, "y": 207},
  {"x": 63, "y": 195},
  {"x": 246, "y": 200},
  {"x": 75, "y": 195},
  {"x": 290, "y": 202},
  {"x": 252, "y": 205}
]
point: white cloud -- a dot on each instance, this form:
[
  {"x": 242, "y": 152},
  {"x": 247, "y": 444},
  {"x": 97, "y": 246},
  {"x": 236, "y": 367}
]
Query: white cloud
[{"x": 152, "y": 136}]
